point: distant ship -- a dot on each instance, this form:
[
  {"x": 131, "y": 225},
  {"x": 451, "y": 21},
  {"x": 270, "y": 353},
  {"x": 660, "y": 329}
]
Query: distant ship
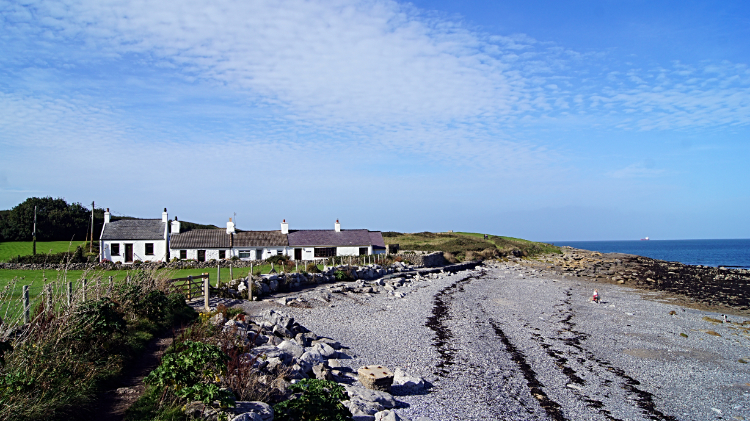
[{"x": 644, "y": 239}]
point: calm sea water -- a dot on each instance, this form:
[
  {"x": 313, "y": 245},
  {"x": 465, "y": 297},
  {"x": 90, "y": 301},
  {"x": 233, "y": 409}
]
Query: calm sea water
[{"x": 729, "y": 253}]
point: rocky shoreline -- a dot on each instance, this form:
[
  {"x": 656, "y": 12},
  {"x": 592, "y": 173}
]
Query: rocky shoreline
[{"x": 706, "y": 287}]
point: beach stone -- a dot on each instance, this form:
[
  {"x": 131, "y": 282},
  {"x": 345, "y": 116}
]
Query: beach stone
[
  {"x": 376, "y": 377},
  {"x": 406, "y": 382},
  {"x": 218, "y": 319},
  {"x": 323, "y": 349},
  {"x": 384, "y": 399},
  {"x": 292, "y": 348},
  {"x": 322, "y": 372},
  {"x": 252, "y": 410},
  {"x": 389, "y": 415}
]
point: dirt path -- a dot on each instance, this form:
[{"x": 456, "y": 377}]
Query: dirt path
[{"x": 112, "y": 404}]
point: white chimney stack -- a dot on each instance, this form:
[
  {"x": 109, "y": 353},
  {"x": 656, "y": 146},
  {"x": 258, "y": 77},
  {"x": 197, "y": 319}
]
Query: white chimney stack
[
  {"x": 106, "y": 216},
  {"x": 175, "y": 226},
  {"x": 284, "y": 227},
  {"x": 164, "y": 217},
  {"x": 230, "y": 226},
  {"x": 338, "y": 226}
]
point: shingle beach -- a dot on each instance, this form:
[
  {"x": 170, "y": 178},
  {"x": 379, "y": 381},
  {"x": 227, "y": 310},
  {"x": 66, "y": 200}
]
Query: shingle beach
[{"x": 506, "y": 342}]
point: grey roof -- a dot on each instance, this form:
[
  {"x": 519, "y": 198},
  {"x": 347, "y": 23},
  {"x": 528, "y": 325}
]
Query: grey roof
[
  {"x": 201, "y": 238},
  {"x": 260, "y": 238},
  {"x": 329, "y": 238},
  {"x": 134, "y": 229},
  {"x": 376, "y": 239},
  {"x": 218, "y": 238}
]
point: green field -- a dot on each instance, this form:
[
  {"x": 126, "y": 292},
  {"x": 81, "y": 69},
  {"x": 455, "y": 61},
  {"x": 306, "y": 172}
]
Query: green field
[
  {"x": 10, "y": 249},
  {"x": 460, "y": 243},
  {"x": 14, "y": 280}
]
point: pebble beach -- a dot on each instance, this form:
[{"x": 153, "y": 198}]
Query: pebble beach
[{"x": 508, "y": 342}]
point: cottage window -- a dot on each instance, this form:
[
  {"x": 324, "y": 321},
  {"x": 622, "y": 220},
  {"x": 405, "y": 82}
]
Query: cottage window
[
  {"x": 363, "y": 251},
  {"x": 183, "y": 254},
  {"x": 115, "y": 249},
  {"x": 244, "y": 254},
  {"x": 325, "y": 251},
  {"x": 222, "y": 254},
  {"x": 201, "y": 255},
  {"x": 149, "y": 249}
]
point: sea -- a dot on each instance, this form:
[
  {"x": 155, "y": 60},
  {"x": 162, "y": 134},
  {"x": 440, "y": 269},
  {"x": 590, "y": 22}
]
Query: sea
[{"x": 726, "y": 253}]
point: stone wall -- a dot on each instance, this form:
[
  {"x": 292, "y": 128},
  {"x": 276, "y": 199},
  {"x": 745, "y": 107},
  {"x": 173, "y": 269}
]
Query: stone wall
[
  {"x": 182, "y": 264},
  {"x": 429, "y": 260}
]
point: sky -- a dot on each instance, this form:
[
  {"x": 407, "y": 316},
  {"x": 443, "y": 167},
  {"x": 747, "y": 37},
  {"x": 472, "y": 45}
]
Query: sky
[{"x": 545, "y": 120}]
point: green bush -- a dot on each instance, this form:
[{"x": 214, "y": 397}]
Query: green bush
[
  {"x": 279, "y": 259},
  {"x": 98, "y": 319},
  {"x": 343, "y": 276},
  {"x": 318, "y": 400},
  {"x": 312, "y": 268},
  {"x": 190, "y": 371}
]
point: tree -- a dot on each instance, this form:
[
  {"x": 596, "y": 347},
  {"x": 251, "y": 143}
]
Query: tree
[{"x": 56, "y": 220}]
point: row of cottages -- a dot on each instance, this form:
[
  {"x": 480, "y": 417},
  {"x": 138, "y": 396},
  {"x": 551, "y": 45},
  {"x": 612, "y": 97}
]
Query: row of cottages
[
  {"x": 208, "y": 244},
  {"x": 128, "y": 240}
]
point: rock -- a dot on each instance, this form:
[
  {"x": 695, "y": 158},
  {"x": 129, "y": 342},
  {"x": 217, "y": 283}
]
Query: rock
[
  {"x": 376, "y": 377},
  {"x": 406, "y": 382},
  {"x": 322, "y": 372},
  {"x": 281, "y": 332},
  {"x": 323, "y": 349},
  {"x": 306, "y": 339},
  {"x": 330, "y": 342},
  {"x": 256, "y": 411},
  {"x": 292, "y": 348},
  {"x": 218, "y": 319},
  {"x": 384, "y": 399},
  {"x": 277, "y": 318},
  {"x": 362, "y": 410},
  {"x": 389, "y": 415}
]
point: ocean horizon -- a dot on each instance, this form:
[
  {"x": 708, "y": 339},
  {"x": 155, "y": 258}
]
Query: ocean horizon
[{"x": 733, "y": 253}]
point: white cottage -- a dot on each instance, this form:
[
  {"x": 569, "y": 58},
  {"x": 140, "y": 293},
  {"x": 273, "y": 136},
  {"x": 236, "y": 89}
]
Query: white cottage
[
  {"x": 128, "y": 240},
  {"x": 217, "y": 244}
]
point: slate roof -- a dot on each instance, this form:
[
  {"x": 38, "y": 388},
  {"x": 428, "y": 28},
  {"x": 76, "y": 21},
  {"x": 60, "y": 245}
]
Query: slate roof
[
  {"x": 260, "y": 238},
  {"x": 218, "y": 238},
  {"x": 201, "y": 238},
  {"x": 134, "y": 229},
  {"x": 376, "y": 239},
  {"x": 329, "y": 238}
]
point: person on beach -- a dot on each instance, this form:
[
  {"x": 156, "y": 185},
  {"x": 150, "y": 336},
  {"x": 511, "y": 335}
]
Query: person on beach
[{"x": 595, "y": 298}]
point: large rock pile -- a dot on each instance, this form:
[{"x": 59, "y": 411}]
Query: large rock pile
[{"x": 287, "y": 352}]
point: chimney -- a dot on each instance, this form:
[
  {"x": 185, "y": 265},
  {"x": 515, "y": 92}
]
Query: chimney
[
  {"x": 230, "y": 226},
  {"x": 337, "y": 226},
  {"x": 284, "y": 227},
  {"x": 106, "y": 216},
  {"x": 164, "y": 217},
  {"x": 175, "y": 226}
]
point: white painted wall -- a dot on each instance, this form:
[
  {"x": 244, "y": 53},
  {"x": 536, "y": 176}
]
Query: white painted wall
[
  {"x": 192, "y": 254},
  {"x": 139, "y": 250},
  {"x": 351, "y": 251}
]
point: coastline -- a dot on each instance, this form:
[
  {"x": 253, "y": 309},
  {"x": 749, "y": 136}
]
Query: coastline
[{"x": 510, "y": 341}]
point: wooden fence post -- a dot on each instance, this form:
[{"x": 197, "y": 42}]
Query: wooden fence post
[
  {"x": 70, "y": 293},
  {"x": 190, "y": 286},
  {"x": 218, "y": 274},
  {"x": 250, "y": 286},
  {"x": 111, "y": 284},
  {"x": 83, "y": 288},
  {"x": 206, "y": 292},
  {"x": 98, "y": 288},
  {"x": 25, "y": 298},
  {"x": 296, "y": 266},
  {"x": 231, "y": 272}
]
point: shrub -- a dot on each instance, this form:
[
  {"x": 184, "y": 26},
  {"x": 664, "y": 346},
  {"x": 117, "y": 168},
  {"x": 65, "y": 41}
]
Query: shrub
[
  {"x": 312, "y": 268},
  {"x": 278, "y": 259},
  {"x": 190, "y": 371},
  {"x": 317, "y": 400},
  {"x": 343, "y": 276}
]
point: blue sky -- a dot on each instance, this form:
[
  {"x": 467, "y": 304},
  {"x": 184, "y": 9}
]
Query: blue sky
[{"x": 547, "y": 120}]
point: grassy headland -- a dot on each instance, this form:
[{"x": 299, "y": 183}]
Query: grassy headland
[{"x": 468, "y": 245}]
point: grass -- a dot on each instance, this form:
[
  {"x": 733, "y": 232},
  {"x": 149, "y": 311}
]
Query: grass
[
  {"x": 10, "y": 249},
  {"x": 460, "y": 243},
  {"x": 37, "y": 279}
]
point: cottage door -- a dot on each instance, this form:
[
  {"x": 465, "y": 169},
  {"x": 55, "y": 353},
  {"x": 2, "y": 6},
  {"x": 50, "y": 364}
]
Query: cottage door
[
  {"x": 128, "y": 253},
  {"x": 297, "y": 254}
]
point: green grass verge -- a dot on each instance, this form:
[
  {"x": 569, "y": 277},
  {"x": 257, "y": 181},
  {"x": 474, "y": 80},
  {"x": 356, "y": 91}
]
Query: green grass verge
[{"x": 10, "y": 249}]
